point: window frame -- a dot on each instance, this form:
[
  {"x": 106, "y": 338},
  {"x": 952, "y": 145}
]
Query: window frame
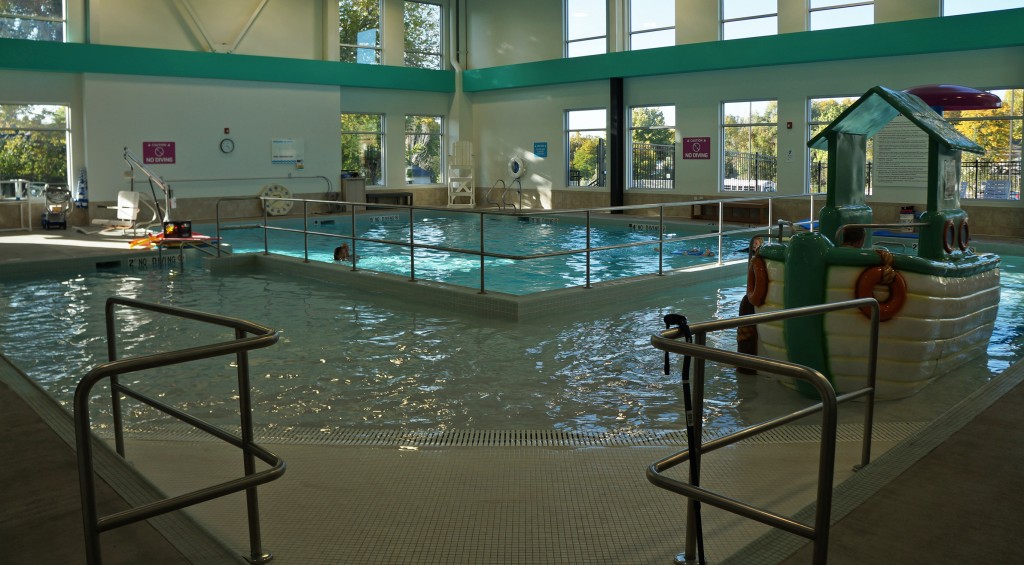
[
  {"x": 440, "y": 135},
  {"x": 65, "y": 129},
  {"x": 378, "y": 48},
  {"x": 380, "y": 134},
  {"x": 942, "y": 11},
  {"x": 601, "y": 172},
  {"x": 815, "y": 126},
  {"x": 39, "y": 17},
  {"x": 724, "y": 24},
  {"x": 769, "y": 185},
  {"x": 568, "y": 42},
  {"x": 1009, "y": 164},
  {"x": 441, "y": 31},
  {"x": 636, "y": 33},
  {"x": 632, "y": 183},
  {"x": 839, "y": 6}
]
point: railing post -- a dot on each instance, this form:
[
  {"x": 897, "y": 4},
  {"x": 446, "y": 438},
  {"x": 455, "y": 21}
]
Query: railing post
[
  {"x": 305, "y": 230},
  {"x": 355, "y": 255},
  {"x": 266, "y": 220},
  {"x": 588, "y": 250},
  {"x": 482, "y": 256},
  {"x": 661, "y": 240},
  {"x": 412, "y": 248},
  {"x": 256, "y": 553},
  {"x": 115, "y": 394}
]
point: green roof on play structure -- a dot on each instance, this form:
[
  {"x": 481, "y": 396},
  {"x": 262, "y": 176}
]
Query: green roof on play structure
[{"x": 879, "y": 106}]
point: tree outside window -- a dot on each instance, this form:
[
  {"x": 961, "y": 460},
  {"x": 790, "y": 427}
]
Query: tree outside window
[
  {"x": 423, "y": 32},
  {"x": 651, "y": 23},
  {"x": 750, "y": 130},
  {"x": 586, "y": 27},
  {"x": 586, "y": 140},
  {"x": 749, "y": 18},
  {"x": 996, "y": 175},
  {"x": 359, "y": 31},
  {"x": 34, "y": 143},
  {"x": 362, "y": 141},
  {"x": 41, "y": 20},
  {"x": 829, "y": 14},
  {"x": 652, "y": 146},
  {"x": 423, "y": 149}
]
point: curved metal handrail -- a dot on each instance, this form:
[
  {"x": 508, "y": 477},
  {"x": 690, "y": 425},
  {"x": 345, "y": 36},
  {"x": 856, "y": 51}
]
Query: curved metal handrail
[{"x": 263, "y": 337}]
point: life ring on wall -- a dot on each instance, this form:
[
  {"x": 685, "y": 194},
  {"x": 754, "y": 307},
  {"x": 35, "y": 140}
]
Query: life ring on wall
[
  {"x": 948, "y": 236},
  {"x": 757, "y": 280},
  {"x": 276, "y": 207},
  {"x": 964, "y": 235},
  {"x": 882, "y": 275}
]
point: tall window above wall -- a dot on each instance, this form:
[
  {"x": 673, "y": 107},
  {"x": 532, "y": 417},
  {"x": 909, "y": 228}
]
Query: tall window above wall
[
  {"x": 41, "y": 20},
  {"x": 652, "y": 147},
  {"x": 423, "y": 35},
  {"x": 359, "y": 31},
  {"x": 362, "y": 146},
  {"x": 586, "y": 141},
  {"x": 652, "y": 23},
  {"x": 820, "y": 113},
  {"x": 750, "y": 132},
  {"x": 996, "y": 175},
  {"x": 749, "y": 18},
  {"x": 424, "y": 141},
  {"x": 33, "y": 147},
  {"x": 828, "y": 14},
  {"x": 957, "y": 7},
  {"x": 586, "y": 27}
]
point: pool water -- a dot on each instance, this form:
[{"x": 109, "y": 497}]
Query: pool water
[
  {"x": 345, "y": 362},
  {"x": 503, "y": 234}
]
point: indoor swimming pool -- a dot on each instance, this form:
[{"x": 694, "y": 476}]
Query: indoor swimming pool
[
  {"x": 348, "y": 359},
  {"x": 503, "y": 234}
]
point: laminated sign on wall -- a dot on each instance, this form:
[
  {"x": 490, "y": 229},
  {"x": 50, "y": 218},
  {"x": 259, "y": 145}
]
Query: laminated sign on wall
[{"x": 287, "y": 151}]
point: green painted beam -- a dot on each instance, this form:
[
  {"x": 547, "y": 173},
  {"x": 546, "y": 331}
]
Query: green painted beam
[
  {"x": 913, "y": 37},
  {"x": 47, "y": 56}
]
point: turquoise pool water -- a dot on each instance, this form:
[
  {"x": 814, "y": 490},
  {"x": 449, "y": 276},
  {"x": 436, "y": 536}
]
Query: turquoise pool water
[
  {"x": 348, "y": 362},
  {"x": 503, "y": 234}
]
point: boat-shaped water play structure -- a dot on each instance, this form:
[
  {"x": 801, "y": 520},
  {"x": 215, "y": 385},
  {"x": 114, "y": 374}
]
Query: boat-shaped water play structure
[{"x": 938, "y": 301}]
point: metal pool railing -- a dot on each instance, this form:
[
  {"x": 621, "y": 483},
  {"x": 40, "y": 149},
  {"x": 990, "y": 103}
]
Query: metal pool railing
[
  {"x": 818, "y": 532},
  {"x": 482, "y": 252},
  {"x": 248, "y": 336}
]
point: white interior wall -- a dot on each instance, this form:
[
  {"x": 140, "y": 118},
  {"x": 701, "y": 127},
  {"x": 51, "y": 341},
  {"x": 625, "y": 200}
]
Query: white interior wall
[
  {"x": 507, "y": 33},
  {"x": 122, "y": 111}
]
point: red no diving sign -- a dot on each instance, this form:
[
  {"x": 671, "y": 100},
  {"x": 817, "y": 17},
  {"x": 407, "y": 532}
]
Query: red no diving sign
[
  {"x": 158, "y": 152},
  {"x": 696, "y": 148}
]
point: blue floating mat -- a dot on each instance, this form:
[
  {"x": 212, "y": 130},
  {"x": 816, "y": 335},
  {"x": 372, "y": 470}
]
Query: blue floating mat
[{"x": 807, "y": 224}]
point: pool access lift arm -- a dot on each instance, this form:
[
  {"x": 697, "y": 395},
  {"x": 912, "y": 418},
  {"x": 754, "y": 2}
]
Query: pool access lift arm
[
  {"x": 133, "y": 163},
  {"x": 818, "y": 532},
  {"x": 248, "y": 336}
]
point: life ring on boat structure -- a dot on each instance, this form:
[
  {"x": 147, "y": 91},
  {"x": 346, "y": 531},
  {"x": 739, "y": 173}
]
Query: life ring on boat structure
[
  {"x": 757, "y": 280},
  {"x": 948, "y": 236},
  {"x": 276, "y": 207},
  {"x": 882, "y": 275},
  {"x": 964, "y": 234}
]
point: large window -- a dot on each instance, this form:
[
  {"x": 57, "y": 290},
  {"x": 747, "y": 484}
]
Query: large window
[
  {"x": 359, "y": 31},
  {"x": 996, "y": 175},
  {"x": 652, "y": 147},
  {"x": 362, "y": 143},
  {"x": 424, "y": 140},
  {"x": 41, "y": 20},
  {"x": 956, "y": 7},
  {"x": 749, "y": 18},
  {"x": 821, "y": 112},
  {"x": 586, "y": 27},
  {"x": 586, "y": 134},
  {"x": 652, "y": 23},
  {"x": 828, "y": 14},
  {"x": 749, "y": 160},
  {"x": 423, "y": 33},
  {"x": 33, "y": 147}
]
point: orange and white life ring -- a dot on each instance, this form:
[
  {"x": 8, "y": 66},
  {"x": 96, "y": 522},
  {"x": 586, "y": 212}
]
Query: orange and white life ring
[
  {"x": 276, "y": 207},
  {"x": 757, "y": 280},
  {"x": 948, "y": 236},
  {"x": 964, "y": 234},
  {"x": 882, "y": 275}
]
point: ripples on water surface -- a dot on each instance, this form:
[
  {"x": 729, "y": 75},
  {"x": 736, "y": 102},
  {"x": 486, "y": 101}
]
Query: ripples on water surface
[{"x": 346, "y": 359}]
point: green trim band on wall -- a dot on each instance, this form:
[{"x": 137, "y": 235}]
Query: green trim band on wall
[
  {"x": 912, "y": 37},
  {"x": 49, "y": 56}
]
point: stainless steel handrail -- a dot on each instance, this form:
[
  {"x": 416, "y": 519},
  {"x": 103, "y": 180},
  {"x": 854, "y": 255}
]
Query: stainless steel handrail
[
  {"x": 261, "y": 337},
  {"x": 483, "y": 254},
  {"x": 699, "y": 351}
]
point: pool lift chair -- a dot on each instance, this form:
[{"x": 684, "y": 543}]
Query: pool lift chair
[
  {"x": 129, "y": 204},
  {"x": 56, "y": 204}
]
